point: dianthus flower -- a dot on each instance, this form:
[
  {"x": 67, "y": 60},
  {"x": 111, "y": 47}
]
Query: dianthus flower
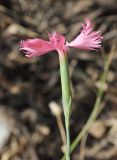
[{"x": 86, "y": 40}]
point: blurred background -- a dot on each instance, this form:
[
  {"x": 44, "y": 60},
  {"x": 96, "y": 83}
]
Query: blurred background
[{"x": 30, "y": 88}]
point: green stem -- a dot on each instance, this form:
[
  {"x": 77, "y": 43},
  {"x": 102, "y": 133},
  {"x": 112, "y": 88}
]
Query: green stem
[
  {"x": 66, "y": 98},
  {"x": 96, "y": 109},
  {"x": 68, "y": 141},
  {"x": 65, "y": 82}
]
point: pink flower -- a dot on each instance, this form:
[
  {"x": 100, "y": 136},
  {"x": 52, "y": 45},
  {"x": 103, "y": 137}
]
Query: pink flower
[
  {"x": 86, "y": 40},
  {"x": 35, "y": 47}
]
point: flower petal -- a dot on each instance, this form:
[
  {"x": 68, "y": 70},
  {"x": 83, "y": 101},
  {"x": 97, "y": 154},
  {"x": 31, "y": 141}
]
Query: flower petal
[
  {"x": 58, "y": 41},
  {"x": 87, "y": 39},
  {"x": 35, "y": 47}
]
